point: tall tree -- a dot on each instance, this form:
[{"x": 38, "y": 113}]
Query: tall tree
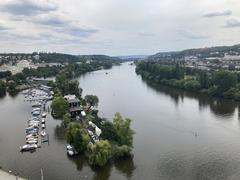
[
  {"x": 60, "y": 106},
  {"x": 91, "y": 100},
  {"x": 124, "y": 131},
  {"x": 99, "y": 153}
]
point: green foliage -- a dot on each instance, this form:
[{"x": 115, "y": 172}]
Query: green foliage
[
  {"x": 77, "y": 136},
  {"x": 5, "y": 74},
  {"x": 109, "y": 132},
  {"x": 204, "y": 79},
  {"x": 91, "y": 100},
  {"x": 224, "y": 80},
  {"x": 12, "y": 90},
  {"x": 3, "y": 88},
  {"x": 121, "y": 151},
  {"x": 192, "y": 85},
  {"x": 214, "y": 83},
  {"x": 59, "y": 106},
  {"x": 99, "y": 153},
  {"x": 124, "y": 131},
  {"x": 66, "y": 119},
  {"x": 74, "y": 88}
]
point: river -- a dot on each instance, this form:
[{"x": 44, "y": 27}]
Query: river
[{"x": 179, "y": 135}]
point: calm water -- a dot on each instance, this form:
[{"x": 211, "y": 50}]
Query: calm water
[{"x": 179, "y": 135}]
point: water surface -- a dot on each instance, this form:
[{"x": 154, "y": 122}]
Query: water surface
[{"x": 179, "y": 135}]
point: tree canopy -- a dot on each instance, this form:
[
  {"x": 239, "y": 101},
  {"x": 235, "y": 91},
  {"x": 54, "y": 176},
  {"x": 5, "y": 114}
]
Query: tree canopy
[{"x": 59, "y": 106}]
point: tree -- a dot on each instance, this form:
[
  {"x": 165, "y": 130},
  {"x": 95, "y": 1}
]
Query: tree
[
  {"x": 74, "y": 88},
  {"x": 91, "y": 101},
  {"x": 59, "y": 106},
  {"x": 192, "y": 85},
  {"x": 224, "y": 80},
  {"x": 62, "y": 83},
  {"x": 121, "y": 151},
  {"x": 124, "y": 131},
  {"x": 66, "y": 119},
  {"x": 109, "y": 132},
  {"x": 12, "y": 90},
  {"x": 2, "y": 88},
  {"x": 99, "y": 153},
  {"x": 203, "y": 79},
  {"x": 78, "y": 137}
]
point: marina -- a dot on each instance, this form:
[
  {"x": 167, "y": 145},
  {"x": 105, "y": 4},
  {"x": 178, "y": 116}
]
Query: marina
[{"x": 36, "y": 124}]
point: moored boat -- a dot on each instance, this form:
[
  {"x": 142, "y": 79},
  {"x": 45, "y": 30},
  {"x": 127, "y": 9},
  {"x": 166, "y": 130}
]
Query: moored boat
[
  {"x": 28, "y": 147},
  {"x": 43, "y": 133}
]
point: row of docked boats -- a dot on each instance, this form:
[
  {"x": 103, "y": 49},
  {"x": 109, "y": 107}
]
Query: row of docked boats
[
  {"x": 35, "y": 130},
  {"x": 37, "y": 95}
]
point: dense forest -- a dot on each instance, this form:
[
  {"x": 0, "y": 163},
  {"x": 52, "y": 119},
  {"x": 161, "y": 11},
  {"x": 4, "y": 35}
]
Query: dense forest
[{"x": 220, "y": 83}]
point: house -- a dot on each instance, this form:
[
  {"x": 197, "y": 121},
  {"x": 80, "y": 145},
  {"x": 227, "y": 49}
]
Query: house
[{"x": 75, "y": 107}]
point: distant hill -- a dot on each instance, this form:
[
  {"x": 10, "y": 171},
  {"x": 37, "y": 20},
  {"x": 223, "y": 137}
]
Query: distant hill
[
  {"x": 59, "y": 57},
  {"x": 218, "y": 51},
  {"x": 132, "y": 57},
  {"x": 56, "y": 57}
]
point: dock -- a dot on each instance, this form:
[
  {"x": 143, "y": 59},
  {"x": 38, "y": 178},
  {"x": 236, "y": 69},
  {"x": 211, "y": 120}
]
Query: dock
[{"x": 36, "y": 133}]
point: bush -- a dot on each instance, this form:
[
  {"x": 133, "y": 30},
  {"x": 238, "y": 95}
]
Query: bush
[{"x": 192, "y": 85}]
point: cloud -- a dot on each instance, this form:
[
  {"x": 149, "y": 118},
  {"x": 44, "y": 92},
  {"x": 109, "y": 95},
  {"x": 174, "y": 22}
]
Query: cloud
[
  {"x": 233, "y": 22},
  {"x": 146, "y": 34},
  {"x": 191, "y": 35},
  {"x": 50, "y": 20},
  {"x": 211, "y": 14},
  {"x": 3, "y": 28},
  {"x": 60, "y": 24},
  {"x": 28, "y": 7}
]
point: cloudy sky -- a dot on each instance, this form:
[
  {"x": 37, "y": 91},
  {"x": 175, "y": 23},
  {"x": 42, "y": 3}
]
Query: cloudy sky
[{"x": 117, "y": 27}]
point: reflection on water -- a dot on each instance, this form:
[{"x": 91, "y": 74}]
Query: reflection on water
[
  {"x": 125, "y": 165},
  {"x": 219, "y": 107}
]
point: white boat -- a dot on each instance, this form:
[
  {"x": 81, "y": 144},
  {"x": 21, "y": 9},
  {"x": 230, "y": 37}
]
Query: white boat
[
  {"x": 69, "y": 147},
  {"x": 32, "y": 141},
  {"x": 36, "y": 104},
  {"x": 43, "y": 133},
  {"x": 36, "y": 109},
  {"x": 28, "y": 147},
  {"x": 44, "y": 115},
  {"x": 43, "y": 121},
  {"x": 43, "y": 126},
  {"x": 70, "y": 152},
  {"x": 30, "y": 136}
]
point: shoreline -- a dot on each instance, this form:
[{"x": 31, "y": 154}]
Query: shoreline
[{"x": 7, "y": 176}]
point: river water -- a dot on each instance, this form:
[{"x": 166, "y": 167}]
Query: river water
[{"x": 179, "y": 135}]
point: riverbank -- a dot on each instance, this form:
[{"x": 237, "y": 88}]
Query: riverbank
[
  {"x": 221, "y": 84},
  {"x": 7, "y": 176}
]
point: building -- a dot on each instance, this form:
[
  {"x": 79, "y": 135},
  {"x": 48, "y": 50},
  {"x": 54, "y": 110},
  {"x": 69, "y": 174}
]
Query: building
[{"x": 75, "y": 107}]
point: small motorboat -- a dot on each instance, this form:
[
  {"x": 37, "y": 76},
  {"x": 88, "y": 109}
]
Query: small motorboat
[
  {"x": 36, "y": 113},
  {"x": 43, "y": 121},
  {"x": 44, "y": 115},
  {"x": 28, "y": 147},
  {"x": 36, "y": 104},
  {"x": 32, "y": 141},
  {"x": 43, "y": 133},
  {"x": 70, "y": 152},
  {"x": 43, "y": 126}
]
